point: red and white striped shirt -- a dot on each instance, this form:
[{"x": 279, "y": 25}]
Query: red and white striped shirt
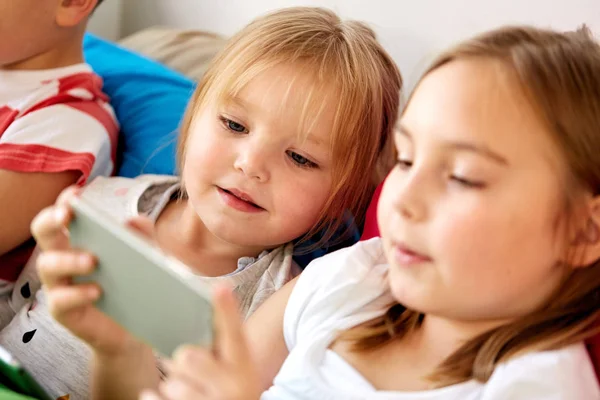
[{"x": 53, "y": 121}]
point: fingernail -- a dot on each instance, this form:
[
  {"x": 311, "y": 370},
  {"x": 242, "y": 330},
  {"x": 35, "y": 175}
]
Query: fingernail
[
  {"x": 84, "y": 260},
  {"x": 94, "y": 293},
  {"x": 60, "y": 215}
]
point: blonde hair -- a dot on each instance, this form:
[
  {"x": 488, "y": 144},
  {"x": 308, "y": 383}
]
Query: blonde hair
[
  {"x": 343, "y": 56},
  {"x": 560, "y": 75}
]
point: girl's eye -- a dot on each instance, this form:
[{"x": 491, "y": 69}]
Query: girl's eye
[
  {"x": 466, "y": 183},
  {"x": 300, "y": 160},
  {"x": 233, "y": 126},
  {"x": 403, "y": 164}
]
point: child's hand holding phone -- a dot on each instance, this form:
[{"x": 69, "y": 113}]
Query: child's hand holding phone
[
  {"x": 225, "y": 372},
  {"x": 146, "y": 292},
  {"x": 73, "y": 304}
]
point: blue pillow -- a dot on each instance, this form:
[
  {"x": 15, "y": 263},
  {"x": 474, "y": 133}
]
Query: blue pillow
[{"x": 149, "y": 100}]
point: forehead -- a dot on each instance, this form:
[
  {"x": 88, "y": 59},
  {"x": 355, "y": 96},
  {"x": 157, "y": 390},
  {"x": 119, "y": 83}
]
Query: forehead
[{"x": 479, "y": 101}]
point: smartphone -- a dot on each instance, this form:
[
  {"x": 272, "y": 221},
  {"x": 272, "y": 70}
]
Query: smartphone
[
  {"x": 152, "y": 295},
  {"x": 14, "y": 377}
]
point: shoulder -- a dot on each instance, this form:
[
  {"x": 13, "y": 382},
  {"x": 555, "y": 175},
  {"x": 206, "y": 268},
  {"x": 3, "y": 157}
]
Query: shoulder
[
  {"x": 256, "y": 281},
  {"x": 58, "y": 120},
  {"x": 344, "y": 267},
  {"x": 347, "y": 264},
  {"x": 559, "y": 374},
  {"x": 75, "y": 87},
  {"x": 121, "y": 196},
  {"x": 338, "y": 291},
  {"x": 117, "y": 182},
  {"x": 61, "y": 101}
]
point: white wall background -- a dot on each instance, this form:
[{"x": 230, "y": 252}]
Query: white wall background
[
  {"x": 107, "y": 20},
  {"x": 411, "y": 30}
]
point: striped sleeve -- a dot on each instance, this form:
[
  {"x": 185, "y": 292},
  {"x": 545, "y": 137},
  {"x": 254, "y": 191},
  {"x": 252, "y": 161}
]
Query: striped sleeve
[
  {"x": 56, "y": 139},
  {"x": 72, "y": 129}
]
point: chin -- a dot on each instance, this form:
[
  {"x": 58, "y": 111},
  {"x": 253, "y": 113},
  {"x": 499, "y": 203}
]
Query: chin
[
  {"x": 405, "y": 294},
  {"x": 235, "y": 235}
]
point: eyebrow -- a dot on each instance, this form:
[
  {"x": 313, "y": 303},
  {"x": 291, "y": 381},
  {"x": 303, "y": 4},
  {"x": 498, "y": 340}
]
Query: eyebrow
[
  {"x": 312, "y": 138},
  {"x": 463, "y": 146},
  {"x": 309, "y": 137},
  {"x": 235, "y": 100}
]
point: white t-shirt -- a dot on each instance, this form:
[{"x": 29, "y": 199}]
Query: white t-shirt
[{"x": 347, "y": 288}]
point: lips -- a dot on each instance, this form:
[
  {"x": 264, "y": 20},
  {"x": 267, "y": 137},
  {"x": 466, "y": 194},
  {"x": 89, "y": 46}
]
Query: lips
[
  {"x": 406, "y": 256},
  {"x": 239, "y": 200},
  {"x": 242, "y": 196}
]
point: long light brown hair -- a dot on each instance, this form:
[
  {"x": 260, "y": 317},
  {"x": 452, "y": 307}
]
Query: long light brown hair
[
  {"x": 345, "y": 59},
  {"x": 560, "y": 75}
]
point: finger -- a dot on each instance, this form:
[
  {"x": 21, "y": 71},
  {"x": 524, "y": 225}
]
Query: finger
[
  {"x": 230, "y": 341},
  {"x": 67, "y": 298},
  {"x": 67, "y": 195},
  {"x": 177, "y": 389},
  {"x": 193, "y": 363},
  {"x": 150, "y": 395},
  {"x": 143, "y": 226},
  {"x": 58, "y": 267},
  {"x": 49, "y": 228}
]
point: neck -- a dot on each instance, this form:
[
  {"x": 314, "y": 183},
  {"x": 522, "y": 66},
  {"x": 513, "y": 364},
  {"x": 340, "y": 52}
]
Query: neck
[
  {"x": 69, "y": 52},
  {"x": 442, "y": 336},
  {"x": 183, "y": 233}
]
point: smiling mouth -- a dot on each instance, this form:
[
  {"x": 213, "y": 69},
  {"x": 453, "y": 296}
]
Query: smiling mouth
[{"x": 242, "y": 199}]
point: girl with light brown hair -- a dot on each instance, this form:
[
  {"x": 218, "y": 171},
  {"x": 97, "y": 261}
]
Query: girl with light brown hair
[{"x": 486, "y": 278}]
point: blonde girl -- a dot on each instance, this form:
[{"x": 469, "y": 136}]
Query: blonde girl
[{"x": 279, "y": 141}]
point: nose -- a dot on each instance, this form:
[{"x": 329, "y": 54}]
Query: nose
[
  {"x": 252, "y": 160},
  {"x": 409, "y": 190}
]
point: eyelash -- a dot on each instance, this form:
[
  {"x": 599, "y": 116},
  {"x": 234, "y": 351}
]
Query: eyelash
[
  {"x": 228, "y": 122},
  {"x": 305, "y": 162},
  {"x": 467, "y": 183},
  {"x": 406, "y": 164},
  {"x": 403, "y": 164}
]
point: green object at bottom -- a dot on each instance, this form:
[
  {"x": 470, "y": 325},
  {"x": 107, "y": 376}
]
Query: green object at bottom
[{"x": 7, "y": 394}]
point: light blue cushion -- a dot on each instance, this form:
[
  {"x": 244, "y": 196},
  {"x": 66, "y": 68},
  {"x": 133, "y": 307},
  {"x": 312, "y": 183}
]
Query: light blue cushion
[{"x": 149, "y": 100}]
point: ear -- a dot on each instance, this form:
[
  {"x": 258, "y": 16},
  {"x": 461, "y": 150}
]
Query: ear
[
  {"x": 71, "y": 13},
  {"x": 586, "y": 244}
]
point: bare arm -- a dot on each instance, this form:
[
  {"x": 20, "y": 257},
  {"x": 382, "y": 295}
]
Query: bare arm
[
  {"x": 22, "y": 196},
  {"x": 264, "y": 330}
]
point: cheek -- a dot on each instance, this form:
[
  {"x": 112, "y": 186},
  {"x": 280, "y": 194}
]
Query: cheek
[
  {"x": 30, "y": 33},
  {"x": 203, "y": 154},
  {"x": 199, "y": 172},
  {"x": 492, "y": 239},
  {"x": 301, "y": 202},
  {"x": 385, "y": 206}
]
